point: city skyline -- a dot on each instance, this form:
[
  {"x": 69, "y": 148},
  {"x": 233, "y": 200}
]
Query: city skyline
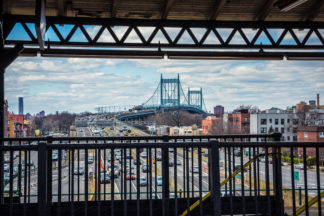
[{"x": 44, "y": 83}]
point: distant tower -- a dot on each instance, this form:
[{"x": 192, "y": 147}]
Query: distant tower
[{"x": 21, "y": 105}]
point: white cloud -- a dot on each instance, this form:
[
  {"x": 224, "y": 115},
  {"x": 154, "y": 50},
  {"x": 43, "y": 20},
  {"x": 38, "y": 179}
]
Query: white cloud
[{"x": 81, "y": 84}]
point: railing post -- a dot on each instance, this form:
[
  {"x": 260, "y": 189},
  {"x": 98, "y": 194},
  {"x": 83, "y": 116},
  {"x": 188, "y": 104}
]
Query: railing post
[
  {"x": 214, "y": 178},
  {"x": 165, "y": 178},
  {"x": 42, "y": 179},
  {"x": 49, "y": 171},
  {"x": 277, "y": 177}
]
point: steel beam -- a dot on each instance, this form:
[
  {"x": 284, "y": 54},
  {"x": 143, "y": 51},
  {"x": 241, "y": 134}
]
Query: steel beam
[
  {"x": 89, "y": 53},
  {"x": 314, "y": 11},
  {"x": 7, "y": 56},
  {"x": 218, "y": 5},
  {"x": 207, "y": 27},
  {"x": 114, "y": 8},
  {"x": 166, "y": 8},
  {"x": 265, "y": 10},
  {"x": 147, "y": 47},
  {"x": 40, "y": 26}
]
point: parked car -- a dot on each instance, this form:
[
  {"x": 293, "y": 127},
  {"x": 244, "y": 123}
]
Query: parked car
[
  {"x": 171, "y": 163},
  {"x": 299, "y": 166},
  {"x": 143, "y": 181},
  {"x": 6, "y": 168},
  {"x": 158, "y": 157},
  {"x": 179, "y": 162},
  {"x": 104, "y": 178},
  {"x": 55, "y": 157},
  {"x": 79, "y": 171},
  {"x": 115, "y": 170},
  {"x": 7, "y": 159},
  {"x": 205, "y": 154},
  {"x": 143, "y": 154},
  {"x": 195, "y": 169},
  {"x": 159, "y": 181},
  {"x": 137, "y": 162},
  {"x": 171, "y": 149},
  {"x": 90, "y": 160},
  {"x": 238, "y": 166},
  {"x": 146, "y": 168},
  {"x": 131, "y": 176}
]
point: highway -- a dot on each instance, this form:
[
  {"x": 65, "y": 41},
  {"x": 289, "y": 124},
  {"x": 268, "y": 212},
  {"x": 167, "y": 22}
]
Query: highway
[{"x": 179, "y": 171}]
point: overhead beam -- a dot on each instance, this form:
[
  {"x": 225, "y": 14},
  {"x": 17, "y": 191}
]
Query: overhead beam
[
  {"x": 314, "y": 11},
  {"x": 40, "y": 25},
  {"x": 60, "y": 8},
  {"x": 7, "y": 56},
  {"x": 114, "y": 8},
  {"x": 218, "y": 5},
  {"x": 166, "y": 8},
  {"x": 265, "y": 10}
]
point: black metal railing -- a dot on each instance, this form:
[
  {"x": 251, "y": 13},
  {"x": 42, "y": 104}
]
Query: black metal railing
[{"x": 158, "y": 175}]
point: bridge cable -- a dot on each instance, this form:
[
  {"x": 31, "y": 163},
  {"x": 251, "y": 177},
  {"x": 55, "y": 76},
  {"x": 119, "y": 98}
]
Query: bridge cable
[
  {"x": 197, "y": 203},
  {"x": 153, "y": 93}
]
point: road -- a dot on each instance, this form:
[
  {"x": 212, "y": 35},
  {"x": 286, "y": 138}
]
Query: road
[{"x": 180, "y": 172}]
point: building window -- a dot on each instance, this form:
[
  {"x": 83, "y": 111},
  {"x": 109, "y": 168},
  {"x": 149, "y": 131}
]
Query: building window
[
  {"x": 282, "y": 130},
  {"x": 295, "y": 121},
  {"x": 294, "y": 130},
  {"x": 276, "y": 129},
  {"x": 282, "y": 121},
  {"x": 263, "y": 130},
  {"x": 270, "y": 120},
  {"x": 306, "y": 134},
  {"x": 276, "y": 121},
  {"x": 246, "y": 119},
  {"x": 288, "y": 129},
  {"x": 295, "y": 138},
  {"x": 288, "y": 121},
  {"x": 283, "y": 138},
  {"x": 288, "y": 138},
  {"x": 263, "y": 121},
  {"x": 321, "y": 134}
]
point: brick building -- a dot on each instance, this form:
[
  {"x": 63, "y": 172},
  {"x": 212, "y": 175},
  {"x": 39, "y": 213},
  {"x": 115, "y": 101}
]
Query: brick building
[
  {"x": 5, "y": 122},
  {"x": 241, "y": 122},
  {"x": 15, "y": 125},
  {"x": 311, "y": 134},
  {"x": 212, "y": 125},
  {"x": 228, "y": 123}
]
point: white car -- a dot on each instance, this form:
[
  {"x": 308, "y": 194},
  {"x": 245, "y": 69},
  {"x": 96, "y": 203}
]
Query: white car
[
  {"x": 195, "y": 169},
  {"x": 299, "y": 166}
]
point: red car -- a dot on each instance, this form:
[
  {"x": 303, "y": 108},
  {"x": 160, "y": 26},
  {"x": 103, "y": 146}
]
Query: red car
[{"x": 130, "y": 176}]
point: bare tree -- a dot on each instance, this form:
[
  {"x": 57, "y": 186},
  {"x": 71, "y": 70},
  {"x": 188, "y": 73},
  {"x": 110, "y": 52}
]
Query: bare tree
[{"x": 177, "y": 118}]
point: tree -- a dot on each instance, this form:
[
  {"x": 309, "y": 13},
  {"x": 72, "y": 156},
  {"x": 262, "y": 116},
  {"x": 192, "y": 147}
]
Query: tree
[{"x": 177, "y": 118}]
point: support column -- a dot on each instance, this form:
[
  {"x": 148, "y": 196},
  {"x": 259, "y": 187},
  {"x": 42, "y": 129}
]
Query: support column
[
  {"x": 2, "y": 127},
  {"x": 7, "y": 56},
  {"x": 214, "y": 178}
]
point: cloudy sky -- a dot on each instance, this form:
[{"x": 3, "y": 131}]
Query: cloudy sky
[{"x": 77, "y": 85}]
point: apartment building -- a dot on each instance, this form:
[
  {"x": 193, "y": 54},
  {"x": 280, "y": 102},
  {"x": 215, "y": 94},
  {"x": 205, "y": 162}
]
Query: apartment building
[{"x": 275, "y": 120}]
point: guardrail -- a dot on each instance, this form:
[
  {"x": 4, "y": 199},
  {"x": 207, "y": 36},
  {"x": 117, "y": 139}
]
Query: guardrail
[{"x": 173, "y": 173}]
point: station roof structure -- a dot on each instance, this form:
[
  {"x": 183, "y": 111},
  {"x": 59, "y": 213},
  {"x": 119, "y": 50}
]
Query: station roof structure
[
  {"x": 267, "y": 29},
  {"x": 222, "y": 10}
]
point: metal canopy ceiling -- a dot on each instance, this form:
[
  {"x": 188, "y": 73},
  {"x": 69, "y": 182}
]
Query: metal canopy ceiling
[
  {"x": 223, "y": 10},
  {"x": 256, "y": 29}
]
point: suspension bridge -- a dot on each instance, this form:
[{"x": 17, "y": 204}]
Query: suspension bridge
[{"x": 168, "y": 96}]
